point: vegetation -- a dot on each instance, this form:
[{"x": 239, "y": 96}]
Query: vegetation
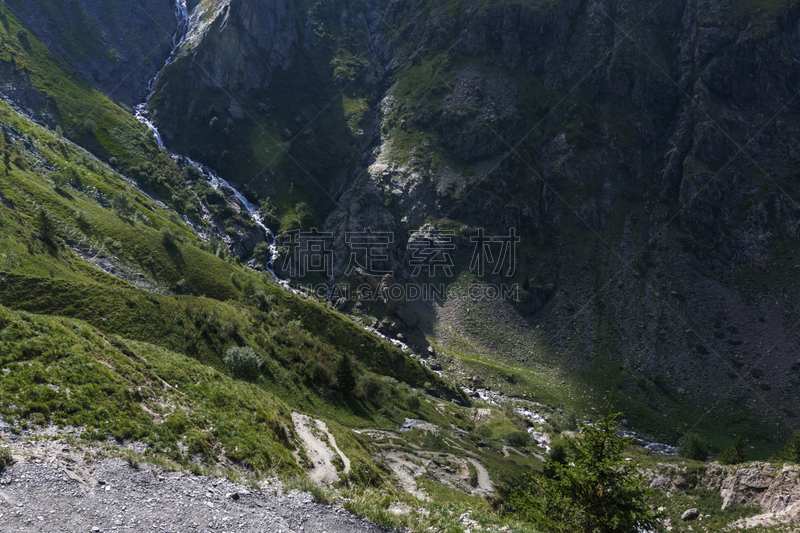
[
  {"x": 791, "y": 452},
  {"x": 5, "y": 457},
  {"x": 735, "y": 454},
  {"x": 692, "y": 446},
  {"x": 597, "y": 491}
]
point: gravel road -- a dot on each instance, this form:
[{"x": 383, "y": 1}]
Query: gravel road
[{"x": 52, "y": 488}]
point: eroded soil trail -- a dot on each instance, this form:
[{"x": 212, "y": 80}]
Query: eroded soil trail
[{"x": 321, "y": 449}]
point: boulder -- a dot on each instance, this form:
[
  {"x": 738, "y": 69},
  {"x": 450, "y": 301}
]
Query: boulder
[
  {"x": 408, "y": 316},
  {"x": 690, "y": 514}
]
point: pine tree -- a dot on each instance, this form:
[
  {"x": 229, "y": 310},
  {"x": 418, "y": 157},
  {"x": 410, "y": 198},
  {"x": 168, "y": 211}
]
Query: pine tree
[
  {"x": 595, "y": 491},
  {"x": 735, "y": 454},
  {"x": 791, "y": 452},
  {"x": 46, "y": 225},
  {"x": 345, "y": 375}
]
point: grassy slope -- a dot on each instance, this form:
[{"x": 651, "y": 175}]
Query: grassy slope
[{"x": 299, "y": 340}]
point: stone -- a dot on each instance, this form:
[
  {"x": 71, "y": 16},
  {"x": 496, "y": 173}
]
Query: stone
[{"x": 690, "y": 514}]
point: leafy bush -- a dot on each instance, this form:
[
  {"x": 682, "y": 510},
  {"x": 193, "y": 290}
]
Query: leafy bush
[
  {"x": 413, "y": 402},
  {"x": 242, "y": 362},
  {"x": 693, "y": 447},
  {"x": 519, "y": 439},
  {"x": 597, "y": 491},
  {"x": 735, "y": 454},
  {"x": 370, "y": 388},
  {"x": 433, "y": 440},
  {"x": 5, "y": 458},
  {"x": 122, "y": 205},
  {"x": 262, "y": 253}
]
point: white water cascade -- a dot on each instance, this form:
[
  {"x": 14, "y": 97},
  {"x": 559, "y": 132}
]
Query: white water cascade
[
  {"x": 216, "y": 182},
  {"x": 182, "y": 15}
]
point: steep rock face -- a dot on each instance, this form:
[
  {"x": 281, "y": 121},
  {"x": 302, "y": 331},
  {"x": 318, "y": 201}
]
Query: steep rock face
[
  {"x": 242, "y": 43},
  {"x": 115, "y": 45}
]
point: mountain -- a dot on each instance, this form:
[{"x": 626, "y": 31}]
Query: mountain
[
  {"x": 643, "y": 151},
  {"x": 626, "y": 170}
]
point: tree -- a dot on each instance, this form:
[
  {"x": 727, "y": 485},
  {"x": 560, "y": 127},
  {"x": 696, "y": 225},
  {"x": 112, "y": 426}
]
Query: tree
[
  {"x": 46, "y": 225},
  {"x": 791, "y": 452},
  {"x": 345, "y": 375},
  {"x": 262, "y": 253},
  {"x": 735, "y": 454},
  {"x": 595, "y": 492},
  {"x": 693, "y": 447}
]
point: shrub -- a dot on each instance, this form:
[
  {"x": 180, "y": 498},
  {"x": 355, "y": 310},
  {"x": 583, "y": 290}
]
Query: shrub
[
  {"x": 433, "y": 440},
  {"x": 735, "y": 454},
  {"x": 20, "y": 162},
  {"x": 242, "y": 362},
  {"x": 371, "y": 388},
  {"x": 5, "y": 458},
  {"x": 520, "y": 439},
  {"x": 692, "y": 447},
  {"x": 168, "y": 237},
  {"x": 262, "y": 253},
  {"x": 413, "y": 402},
  {"x": 121, "y": 205},
  {"x": 46, "y": 225}
]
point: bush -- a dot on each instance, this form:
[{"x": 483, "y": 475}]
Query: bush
[
  {"x": 121, "y": 205},
  {"x": 433, "y": 440},
  {"x": 242, "y": 362},
  {"x": 519, "y": 439},
  {"x": 735, "y": 454},
  {"x": 262, "y": 253},
  {"x": 791, "y": 452},
  {"x": 371, "y": 388},
  {"x": 693, "y": 447},
  {"x": 5, "y": 458},
  {"x": 413, "y": 403}
]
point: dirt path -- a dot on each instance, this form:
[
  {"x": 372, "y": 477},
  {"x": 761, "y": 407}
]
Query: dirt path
[
  {"x": 485, "y": 486},
  {"x": 311, "y": 431},
  {"x": 406, "y": 472},
  {"x": 53, "y": 487}
]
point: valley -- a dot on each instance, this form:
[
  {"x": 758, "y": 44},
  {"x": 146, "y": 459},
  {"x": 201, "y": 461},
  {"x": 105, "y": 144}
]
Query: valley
[{"x": 386, "y": 260}]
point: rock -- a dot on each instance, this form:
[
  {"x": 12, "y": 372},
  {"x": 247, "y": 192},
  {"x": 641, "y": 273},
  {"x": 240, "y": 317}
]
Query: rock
[
  {"x": 408, "y": 316},
  {"x": 690, "y": 514},
  {"x": 435, "y": 365},
  {"x": 431, "y": 350}
]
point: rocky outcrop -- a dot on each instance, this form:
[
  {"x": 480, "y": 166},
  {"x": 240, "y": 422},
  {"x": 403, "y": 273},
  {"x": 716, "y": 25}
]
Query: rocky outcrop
[
  {"x": 240, "y": 43},
  {"x": 775, "y": 488}
]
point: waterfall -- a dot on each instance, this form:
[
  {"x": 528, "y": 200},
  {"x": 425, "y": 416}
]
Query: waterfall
[{"x": 182, "y": 17}]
